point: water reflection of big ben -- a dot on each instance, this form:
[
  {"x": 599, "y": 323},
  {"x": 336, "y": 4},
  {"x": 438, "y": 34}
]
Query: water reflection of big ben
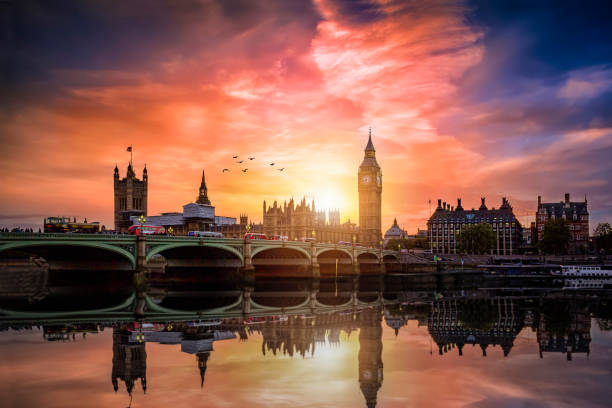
[
  {"x": 370, "y": 355},
  {"x": 129, "y": 361}
]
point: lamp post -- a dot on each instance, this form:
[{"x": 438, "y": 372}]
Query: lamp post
[
  {"x": 142, "y": 220},
  {"x": 314, "y": 235}
]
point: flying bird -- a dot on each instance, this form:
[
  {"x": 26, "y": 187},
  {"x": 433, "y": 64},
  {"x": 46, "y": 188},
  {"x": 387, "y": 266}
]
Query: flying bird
[
  {"x": 271, "y": 164},
  {"x": 281, "y": 169},
  {"x": 241, "y": 161},
  {"x": 224, "y": 170},
  {"x": 234, "y": 157},
  {"x": 251, "y": 158},
  {"x": 244, "y": 171}
]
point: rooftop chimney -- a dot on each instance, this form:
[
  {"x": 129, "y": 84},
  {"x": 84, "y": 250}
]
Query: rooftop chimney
[
  {"x": 539, "y": 201},
  {"x": 459, "y": 207},
  {"x": 439, "y": 203},
  {"x": 567, "y": 197},
  {"x": 482, "y": 204}
]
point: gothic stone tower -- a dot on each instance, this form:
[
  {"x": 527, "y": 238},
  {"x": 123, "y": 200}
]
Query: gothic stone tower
[
  {"x": 130, "y": 197},
  {"x": 370, "y": 193},
  {"x": 203, "y": 196}
]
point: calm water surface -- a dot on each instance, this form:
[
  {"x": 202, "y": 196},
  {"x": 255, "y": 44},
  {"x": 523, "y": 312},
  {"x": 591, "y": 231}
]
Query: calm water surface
[{"x": 394, "y": 341}]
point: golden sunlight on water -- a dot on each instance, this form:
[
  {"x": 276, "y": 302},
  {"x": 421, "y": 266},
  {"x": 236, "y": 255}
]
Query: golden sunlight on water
[{"x": 238, "y": 374}]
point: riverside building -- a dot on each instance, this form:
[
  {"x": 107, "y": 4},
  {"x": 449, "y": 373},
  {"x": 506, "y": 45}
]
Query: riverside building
[
  {"x": 576, "y": 215},
  {"x": 447, "y": 221}
]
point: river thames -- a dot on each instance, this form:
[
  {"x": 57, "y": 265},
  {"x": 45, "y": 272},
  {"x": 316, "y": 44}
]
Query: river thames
[{"x": 223, "y": 340}]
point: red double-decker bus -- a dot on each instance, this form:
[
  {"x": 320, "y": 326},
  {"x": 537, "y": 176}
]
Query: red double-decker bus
[
  {"x": 147, "y": 230},
  {"x": 252, "y": 235}
]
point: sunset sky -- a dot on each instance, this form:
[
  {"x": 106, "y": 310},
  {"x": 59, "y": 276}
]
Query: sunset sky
[{"x": 465, "y": 99}]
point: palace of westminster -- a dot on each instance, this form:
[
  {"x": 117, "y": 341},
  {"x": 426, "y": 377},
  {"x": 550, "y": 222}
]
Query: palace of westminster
[
  {"x": 294, "y": 220},
  {"x": 301, "y": 220}
]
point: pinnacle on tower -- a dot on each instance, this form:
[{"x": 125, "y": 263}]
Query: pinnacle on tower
[{"x": 370, "y": 145}]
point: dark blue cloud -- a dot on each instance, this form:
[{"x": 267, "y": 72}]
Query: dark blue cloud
[
  {"x": 562, "y": 35},
  {"x": 96, "y": 35},
  {"x": 530, "y": 40}
]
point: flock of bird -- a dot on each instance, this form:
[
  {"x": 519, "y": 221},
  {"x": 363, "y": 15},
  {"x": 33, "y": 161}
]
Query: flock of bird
[{"x": 246, "y": 169}]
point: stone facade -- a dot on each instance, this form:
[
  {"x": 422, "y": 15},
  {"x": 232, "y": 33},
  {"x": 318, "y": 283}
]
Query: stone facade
[
  {"x": 304, "y": 221},
  {"x": 447, "y": 221},
  {"x": 130, "y": 197},
  {"x": 575, "y": 213}
]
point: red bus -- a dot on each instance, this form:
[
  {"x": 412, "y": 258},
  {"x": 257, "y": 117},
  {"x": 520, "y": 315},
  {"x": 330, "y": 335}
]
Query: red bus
[
  {"x": 146, "y": 230},
  {"x": 252, "y": 235}
]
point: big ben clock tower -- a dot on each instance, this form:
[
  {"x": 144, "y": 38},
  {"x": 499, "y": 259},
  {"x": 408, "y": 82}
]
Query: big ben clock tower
[{"x": 370, "y": 193}]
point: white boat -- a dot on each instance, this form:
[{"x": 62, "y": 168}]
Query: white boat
[
  {"x": 586, "y": 276},
  {"x": 586, "y": 271}
]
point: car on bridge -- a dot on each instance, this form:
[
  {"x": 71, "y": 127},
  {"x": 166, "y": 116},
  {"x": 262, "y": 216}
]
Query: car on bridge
[{"x": 279, "y": 238}]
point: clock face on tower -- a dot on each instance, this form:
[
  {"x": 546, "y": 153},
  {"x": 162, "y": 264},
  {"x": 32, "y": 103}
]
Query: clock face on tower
[{"x": 365, "y": 179}]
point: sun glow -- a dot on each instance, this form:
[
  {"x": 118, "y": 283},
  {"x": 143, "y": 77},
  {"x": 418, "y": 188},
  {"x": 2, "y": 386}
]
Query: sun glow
[{"x": 330, "y": 199}]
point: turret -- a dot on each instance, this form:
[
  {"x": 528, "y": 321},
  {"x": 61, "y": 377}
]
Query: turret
[
  {"x": 130, "y": 171},
  {"x": 116, "y": 173},
  {"x": 145, "y": 174}
]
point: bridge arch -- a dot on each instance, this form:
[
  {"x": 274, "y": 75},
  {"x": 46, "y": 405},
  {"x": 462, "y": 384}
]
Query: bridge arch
[
  {"x": 130, "y": 256},
  {"x": 392, "y": 262},
  {"x": 161, "y": 248},
  {"x": 367, "y": 255},
  {"x": 321, "y": 251},
  {"x": 390, "y": 255},
  {"x": 260, "y": 249}
]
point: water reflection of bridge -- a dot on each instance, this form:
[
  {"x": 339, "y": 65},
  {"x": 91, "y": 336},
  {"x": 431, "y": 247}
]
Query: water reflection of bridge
[{"x": 562, "y": 326}]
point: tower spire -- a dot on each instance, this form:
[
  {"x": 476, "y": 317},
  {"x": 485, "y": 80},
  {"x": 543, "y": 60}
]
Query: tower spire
[
  {"x": 370, "y": 145},
  {"x": 203, "y": 196}
]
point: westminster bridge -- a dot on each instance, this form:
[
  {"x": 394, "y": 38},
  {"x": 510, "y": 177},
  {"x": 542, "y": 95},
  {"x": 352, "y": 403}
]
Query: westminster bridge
[{"x": 129, "y": 252}]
